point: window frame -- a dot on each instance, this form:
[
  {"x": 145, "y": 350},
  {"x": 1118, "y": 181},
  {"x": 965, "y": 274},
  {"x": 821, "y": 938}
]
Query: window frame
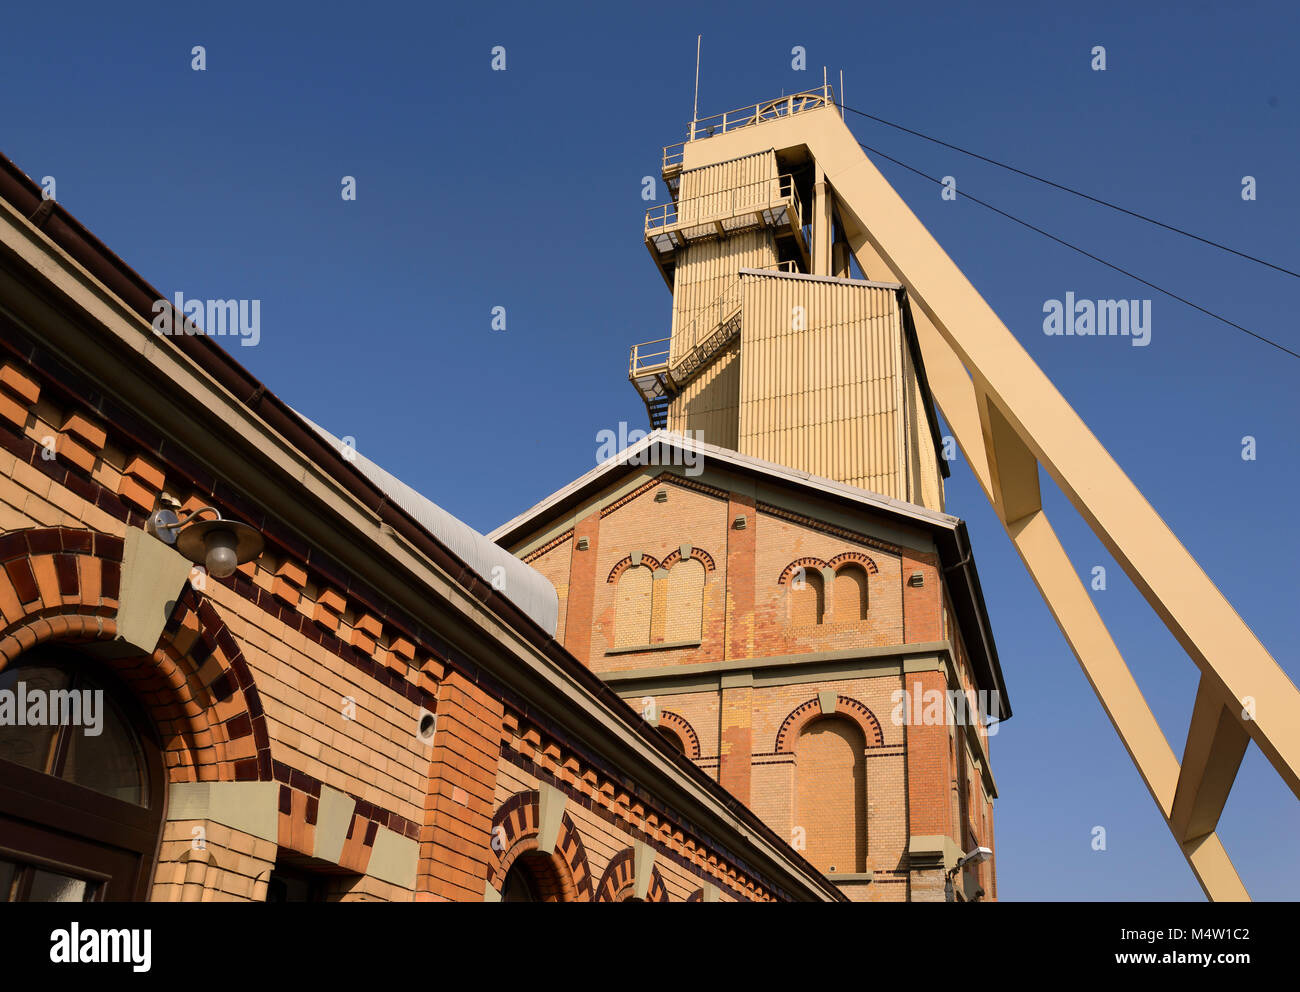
[{"x": 72, "y": 828}]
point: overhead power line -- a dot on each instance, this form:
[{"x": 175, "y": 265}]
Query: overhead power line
[
  {"x": 1087, "y": 254},
  {"x": 1079, "y": 193}
]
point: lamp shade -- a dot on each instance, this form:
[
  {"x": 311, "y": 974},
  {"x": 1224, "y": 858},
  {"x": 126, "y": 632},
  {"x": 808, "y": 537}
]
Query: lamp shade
[{"x": 228, "y": 542}]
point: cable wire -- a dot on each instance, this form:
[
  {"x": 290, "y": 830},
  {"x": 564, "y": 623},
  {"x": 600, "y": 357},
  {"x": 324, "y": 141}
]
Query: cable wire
[
  {"x": 1088, "y": 254},
  {"x": 1075, "y": 192}
]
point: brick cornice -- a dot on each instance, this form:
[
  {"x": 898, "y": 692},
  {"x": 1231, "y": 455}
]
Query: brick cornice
[
  {"x": 664, "y": 477},
  {"x": 551, "y": 545},
  {"x": 851, "y": 535}
]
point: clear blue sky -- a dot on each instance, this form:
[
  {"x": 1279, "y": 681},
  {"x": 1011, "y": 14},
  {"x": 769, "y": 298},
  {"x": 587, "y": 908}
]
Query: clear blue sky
[{"x": 521, "y": 189}]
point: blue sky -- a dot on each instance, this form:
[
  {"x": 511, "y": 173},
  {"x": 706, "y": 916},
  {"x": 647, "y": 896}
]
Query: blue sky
[{"x": 478, "y": 189}]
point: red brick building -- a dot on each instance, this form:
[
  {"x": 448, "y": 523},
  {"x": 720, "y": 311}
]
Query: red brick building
[{"x": 804, "y": 641}]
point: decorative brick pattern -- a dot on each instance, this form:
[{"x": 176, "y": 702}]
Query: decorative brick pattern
[
  {"x": 514, "y": 831},
  {"x": 641, "y": 561},
  {"x": 802, "y": 715},
  {"x": 80, "y": 441},
  {"x": 684, "y": 731},
  {"x": 619, "y": 881},
  {"x": 859, "y": 593},
  {"x": 247, "y": 680},
  {"x": 18, "y": 394},
  {"x": 140, "y": 484}
]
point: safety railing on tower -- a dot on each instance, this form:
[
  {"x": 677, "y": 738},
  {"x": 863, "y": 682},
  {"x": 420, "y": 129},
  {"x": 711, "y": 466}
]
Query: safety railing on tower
[
  {"x": 757, "y": 113},
  {"x": 767, "y": 203}
]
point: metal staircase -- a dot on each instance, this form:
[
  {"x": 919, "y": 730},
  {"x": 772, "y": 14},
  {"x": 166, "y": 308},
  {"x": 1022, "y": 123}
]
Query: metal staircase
[{"x": 658, "y": 378}]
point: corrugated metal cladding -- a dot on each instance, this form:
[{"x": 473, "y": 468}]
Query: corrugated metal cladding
[
  {"x": 711, "y": 401},
  {"x": 925, "y": 480},
  {"x": 706, "y": 271},
  {"x": 707, "y": 191},
  {"x": 823, "y": 387}
]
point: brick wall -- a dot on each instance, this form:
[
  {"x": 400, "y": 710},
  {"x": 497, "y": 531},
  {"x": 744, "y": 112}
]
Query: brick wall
[
  {"x": 752, "y": 609},
  {"x": 304, "y": 691}
]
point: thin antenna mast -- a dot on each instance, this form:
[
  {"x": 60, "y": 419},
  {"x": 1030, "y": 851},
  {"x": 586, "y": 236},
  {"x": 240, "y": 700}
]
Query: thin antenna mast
[
  {"x": 841, "y": 94},
  {"x": 695, "y": 114}
]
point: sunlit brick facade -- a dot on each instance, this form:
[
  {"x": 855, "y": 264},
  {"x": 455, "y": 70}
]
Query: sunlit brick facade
[
  {"x": 376, "y": 707},
  {"x": 779, "y": 663}
]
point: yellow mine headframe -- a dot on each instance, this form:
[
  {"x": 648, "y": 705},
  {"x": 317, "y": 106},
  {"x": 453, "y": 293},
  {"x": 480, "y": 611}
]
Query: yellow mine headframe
[{"x": 776, "y": 352}]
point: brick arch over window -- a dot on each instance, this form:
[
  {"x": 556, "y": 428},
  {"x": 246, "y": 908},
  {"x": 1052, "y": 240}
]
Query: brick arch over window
[
  {"x": 621, "y": 566},
  {"x": 619, "y": 880},
  {"x": 514, "y": 830},
  {"x": 683, "y": 730},
  {"x": 219, "y": 686},
  {"x": 699, "y": 554},
  {"x": 62, "y": 584},
  {"x": 57, "y": 574},
  {"x": 866, "y": 561},
  {"x": 807, "y": 564},
  {"x": 845, "y": 706},
  {"x": 697, "y": 895}
]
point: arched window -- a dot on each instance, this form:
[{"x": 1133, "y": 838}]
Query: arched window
[
  {"x": 81, "y": 783},
  {"x": 807, "y": 597},
  {"x": 685, "y": 595},
  {"x": 831, "y": 794},
  {"x": 520, "y": 885},
  {"x": 850, "y": 598},
  {"x": 632, "y": 607},
  {"x": 673, "y": 738}
]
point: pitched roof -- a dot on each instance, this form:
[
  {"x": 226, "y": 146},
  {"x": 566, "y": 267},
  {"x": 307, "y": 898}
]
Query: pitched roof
[
  {"x": 949, "y": 532},
  {"x": 527, "y": 588}
]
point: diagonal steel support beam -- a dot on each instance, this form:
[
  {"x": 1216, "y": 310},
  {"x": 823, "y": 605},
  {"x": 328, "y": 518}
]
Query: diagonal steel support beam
[
  {"x": 1013, "y": 490},
  {"x": 1216, "y": 743},
  {"x": 1010, "y": 482},
  {"x": 1008, "y": 419}
]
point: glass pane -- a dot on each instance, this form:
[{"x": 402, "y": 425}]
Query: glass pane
[
  {"x": 8, "y": 871},
  {"x": 49, "y": 886},
  {"x": 518, "y": 886},
  {"x": 26, "y": 734},
  {"x": 109, "y": 762}
]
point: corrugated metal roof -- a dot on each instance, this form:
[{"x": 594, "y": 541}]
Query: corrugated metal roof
[{"x": 527, "y": 588}]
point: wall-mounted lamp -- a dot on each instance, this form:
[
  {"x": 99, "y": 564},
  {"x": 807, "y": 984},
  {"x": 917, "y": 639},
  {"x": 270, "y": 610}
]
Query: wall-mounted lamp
[
  {"x": 975, "y": 857},
  {"x": 219, "y": 545}
]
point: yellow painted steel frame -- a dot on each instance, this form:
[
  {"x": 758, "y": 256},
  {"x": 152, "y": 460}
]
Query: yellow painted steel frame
[{"x": 1008, "y": 419}]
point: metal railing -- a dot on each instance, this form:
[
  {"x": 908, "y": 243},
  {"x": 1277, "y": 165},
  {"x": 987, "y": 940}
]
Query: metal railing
[
  {"x": 653, "y": 357},
  {"x": 746, "y": 199},
  {"x": 648, "y": 357},
  {"x": 757, "y": 113}
]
